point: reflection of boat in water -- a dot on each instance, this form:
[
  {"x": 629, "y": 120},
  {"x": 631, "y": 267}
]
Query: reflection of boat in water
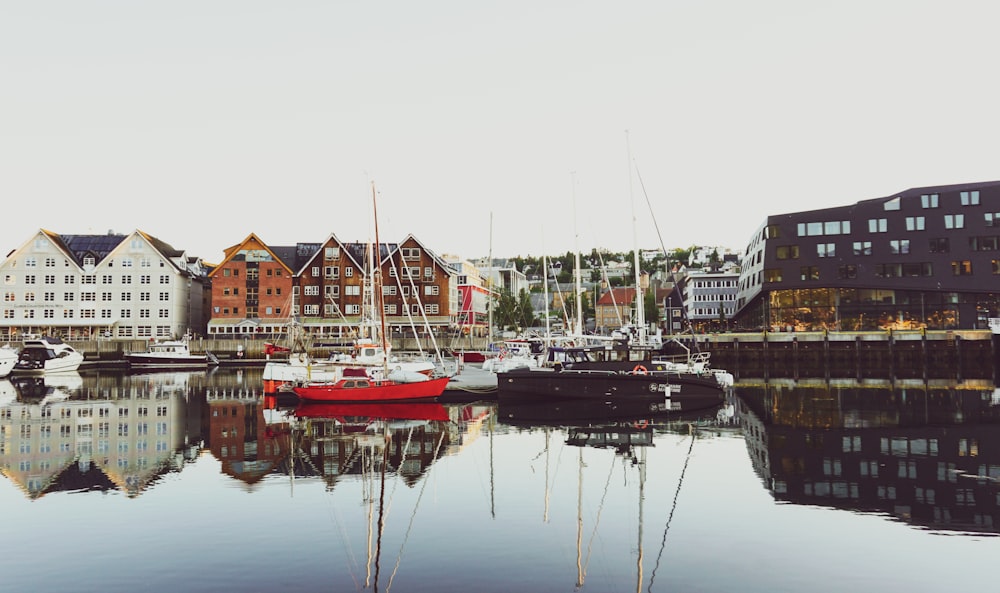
[
  {"x": 926, "y": 453},
  {"x": 380, "y": 445},
  {"x": 630, "y": 442},
  {"x": 47, "y": 388},
  {"x": 379, "y": 410},
  {"x": 541, "y": 411},
  {"x": 8, "y": 394}
]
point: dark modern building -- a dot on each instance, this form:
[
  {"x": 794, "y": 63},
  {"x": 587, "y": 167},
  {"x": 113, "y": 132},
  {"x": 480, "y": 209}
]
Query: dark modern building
[{"x": 923, "y": 258}]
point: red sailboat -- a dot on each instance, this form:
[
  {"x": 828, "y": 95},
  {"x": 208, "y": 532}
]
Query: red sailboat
[{"x": 358, "y": 385}]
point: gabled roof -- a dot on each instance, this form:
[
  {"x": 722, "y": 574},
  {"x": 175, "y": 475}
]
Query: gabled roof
[
  {"x": 358, "y": 251},
  {"x": 80, "y": 246},
  {"x": 306, "y": 257},
  {"x": 437, "y": 259},
  {"x": 297, "y": 256},
  {"x": 621, "y": 295},
  {"x": 230, "y": 253}
]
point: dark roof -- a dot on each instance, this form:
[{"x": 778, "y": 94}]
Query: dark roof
[
  {"x": 295, "y": 256},
  {"x": 99, "y": 246},
  {"x": 164, "y": 247}
]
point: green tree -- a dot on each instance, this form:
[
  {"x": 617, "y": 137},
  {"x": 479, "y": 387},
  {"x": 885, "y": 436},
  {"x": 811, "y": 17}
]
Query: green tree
[
  {"x": 505, "y": 310},
  {"x": 650, "y": 308},
  {"x": 525, "y": 311}
]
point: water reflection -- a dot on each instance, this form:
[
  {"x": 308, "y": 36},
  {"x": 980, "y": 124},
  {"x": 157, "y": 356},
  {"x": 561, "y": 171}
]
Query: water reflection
[
  {"x": 606, "y": 499},
  {"x": 124, "y": 432},
  {"x": 64, "y": 432},
  {"x": 924, "y": 452}
]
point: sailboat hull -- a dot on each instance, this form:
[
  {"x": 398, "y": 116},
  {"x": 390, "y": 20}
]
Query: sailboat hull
[{"x": 362, "y": 390}]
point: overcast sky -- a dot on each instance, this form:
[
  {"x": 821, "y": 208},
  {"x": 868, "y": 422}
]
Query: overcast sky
[{"x": 203, "y": 121}]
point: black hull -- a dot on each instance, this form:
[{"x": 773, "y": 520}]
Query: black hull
[
  {"x": 143, "y": 362},
  {"x": 604, "y": 385}
]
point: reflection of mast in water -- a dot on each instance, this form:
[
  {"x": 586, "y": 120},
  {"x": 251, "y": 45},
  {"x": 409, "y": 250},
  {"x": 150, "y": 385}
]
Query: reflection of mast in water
[
  {"x": 376, "y": 526},
  {"x": 673, "y": 507},
  {"x": 642, "y": 499},
  {"x": 583, "y": 564},
  {"x": 580, "y": 571}
]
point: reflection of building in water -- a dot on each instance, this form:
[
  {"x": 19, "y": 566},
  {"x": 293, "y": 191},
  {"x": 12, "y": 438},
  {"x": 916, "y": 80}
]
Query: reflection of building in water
[
  {"x": 253, "y": 436},
  {"x": 246, "y": 444},
  {"x": 927, "y": 454},
  {"x": 468, "y": 423},
  {"x": 336, "y": 447},
  {"x": 94, "y": 439}
]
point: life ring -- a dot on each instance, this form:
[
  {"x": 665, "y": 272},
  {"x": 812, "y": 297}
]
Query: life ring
[
  {"x": 639, "y": 370},
  {"x": 641, "y": 424}
]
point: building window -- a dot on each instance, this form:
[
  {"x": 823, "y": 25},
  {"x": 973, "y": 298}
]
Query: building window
[
  {"x": 826, "y": 250},
  {"x": 332, "y": 271},
  {"x": 809, "y": 273},
  {"x": 996, "y": 266},
  {"x": 772, "y": 231},
  {"x": 961, "y": 268},
  {"x": 787, "y": 252},
  {"x": 847, "y": 272},
  {"x": 310, "y": 290},
  {"x": 888, "y": 270},
  {"x": 899, "y": 246},
  {"x": 914, "y": 223},
  {"x": 862, "y": 248},
  {"x": 410, "y": 253},
  {"x": 331, "y": 253},
  {"x": 939, "y": 245},
  {"x": 878, "y": 225},
  {"x": 992, "y": 218},
  {"x": 929, "y": 201},
  {"x": 969, "y": 198},
  {"x": 892, "y": 204},
  {"x": 983, "y": 243},
  {"x": 954, "y": 221}
]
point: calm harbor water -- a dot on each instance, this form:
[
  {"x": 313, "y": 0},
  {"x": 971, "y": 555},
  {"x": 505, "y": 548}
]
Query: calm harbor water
[{"x": 196, "y": 482}]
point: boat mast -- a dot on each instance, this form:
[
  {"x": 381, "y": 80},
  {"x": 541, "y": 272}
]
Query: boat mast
[
  {"x": 640, "y": 310},
  {"x": 489, "y": 286},
  {"x": 377, "y": 288},
  {"x": 578, "y": 289}
]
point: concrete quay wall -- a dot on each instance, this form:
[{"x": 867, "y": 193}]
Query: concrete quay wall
[{"x": 910, "y": 354}]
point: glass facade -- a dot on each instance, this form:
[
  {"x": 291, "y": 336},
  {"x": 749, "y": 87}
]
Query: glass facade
[{"x": 850, "y": 309}]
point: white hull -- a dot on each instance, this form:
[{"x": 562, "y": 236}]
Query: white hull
[
  {"x": 167, "y": 355},
  {"x": 43, "y": 356},
  {"x": 8, "y": 357}
]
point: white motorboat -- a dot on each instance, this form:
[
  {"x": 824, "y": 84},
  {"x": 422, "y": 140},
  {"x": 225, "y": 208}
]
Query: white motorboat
[
  {"x": 8, "y": 356},
  {"x": 167, "y": 354},
  {"x": 45, "y": 355}
]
